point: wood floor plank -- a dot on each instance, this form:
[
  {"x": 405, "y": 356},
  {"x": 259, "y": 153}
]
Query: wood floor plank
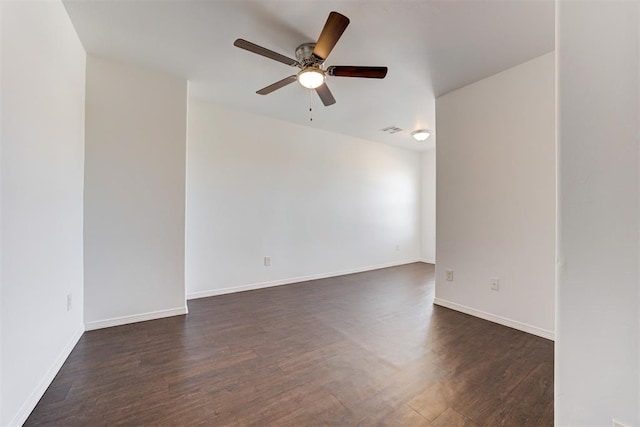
[
  {"x": 363, "y": 349},
  {"x": 434, "y": 401},
  {"x": 452, "y": 418}
]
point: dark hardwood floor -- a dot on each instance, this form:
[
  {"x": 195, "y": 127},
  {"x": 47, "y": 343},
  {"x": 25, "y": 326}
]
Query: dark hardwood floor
[{"x": 363, "y": 349}]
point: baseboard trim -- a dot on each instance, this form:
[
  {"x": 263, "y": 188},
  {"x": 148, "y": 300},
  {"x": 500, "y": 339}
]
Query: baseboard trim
[
  {"x": 27, "y": 407},
  {"x": 291, "y": 280},
  {"x": 428, "y": 261},
  {"x": 525, "y": 327},
  {"x": 125, "y": 320}
]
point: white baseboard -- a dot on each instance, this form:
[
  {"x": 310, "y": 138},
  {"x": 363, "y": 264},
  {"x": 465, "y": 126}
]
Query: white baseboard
[
  {"x": 143, "y": 317},
  {"x": 428, "y": 261},
  {"x": 33, "y": 399},
  {"x": 544, "y": 333},
  {"x": 290, "y": 280}
]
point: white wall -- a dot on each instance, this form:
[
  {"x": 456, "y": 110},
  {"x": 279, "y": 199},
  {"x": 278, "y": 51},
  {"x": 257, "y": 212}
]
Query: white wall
[
  {"x": 318, "y": 203},
  {"x": 496, "y": 197},
  {"x": 43, "y": 65},
  {"x": 134, "y": 194},
  {"x": 597, "y": 369},
  {"x": 1, "y": 280},
  {"x": 429, "y": 206}
]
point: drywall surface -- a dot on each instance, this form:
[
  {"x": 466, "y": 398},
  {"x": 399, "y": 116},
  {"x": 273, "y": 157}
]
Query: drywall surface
[
  {"x": 317, "y": 203},
  {"x": 598, "y": 330},
  {"x": 496, "y": 197},
  {"x": 134, "y": 194},
  {"x": 1, "y": 281},
  {"x": 429, "y": 206},
  {"x": 43, "y": 92}
]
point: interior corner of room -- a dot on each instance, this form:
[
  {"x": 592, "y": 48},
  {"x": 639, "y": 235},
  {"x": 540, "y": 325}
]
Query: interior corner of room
[{"x": 130, "y": 185}]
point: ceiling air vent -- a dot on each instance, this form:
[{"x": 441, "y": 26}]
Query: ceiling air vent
[{"x": 391, "y": 129}]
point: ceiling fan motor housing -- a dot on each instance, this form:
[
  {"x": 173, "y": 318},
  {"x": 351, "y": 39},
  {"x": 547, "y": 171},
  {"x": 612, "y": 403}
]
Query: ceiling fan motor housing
[{"x": 305, "y": 56}]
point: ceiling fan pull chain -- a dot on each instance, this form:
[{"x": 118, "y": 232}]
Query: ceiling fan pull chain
[{"x": 310, "y": 106}]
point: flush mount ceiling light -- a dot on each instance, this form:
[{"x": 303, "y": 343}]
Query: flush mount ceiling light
[
  {"x": 311, "y": 78},
  {"x": 421, "y": 135}
]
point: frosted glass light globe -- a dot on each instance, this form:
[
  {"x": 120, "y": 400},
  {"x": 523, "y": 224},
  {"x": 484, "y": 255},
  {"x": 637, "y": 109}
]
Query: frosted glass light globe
[
  {"x": 311, "y": 78},
  {"x": 421, "y": 135}
]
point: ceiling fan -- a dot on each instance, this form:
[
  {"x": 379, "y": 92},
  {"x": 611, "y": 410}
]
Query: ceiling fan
[{"x": 311, "y": 58}]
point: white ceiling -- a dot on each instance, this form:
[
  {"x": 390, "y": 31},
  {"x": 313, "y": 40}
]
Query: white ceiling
[{"x": 430, "y": 47}]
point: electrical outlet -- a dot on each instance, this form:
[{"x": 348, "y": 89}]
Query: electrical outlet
[
  {"x": 495, "y": 284},
  {"x": 69, "y": 302},
  {"x": 267, "y": 261},
  {"x": 449, "y": 275}
]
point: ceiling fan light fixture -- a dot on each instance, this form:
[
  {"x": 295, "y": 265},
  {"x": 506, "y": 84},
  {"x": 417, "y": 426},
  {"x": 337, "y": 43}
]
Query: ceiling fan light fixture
[
  {"x": 421, "y": 135},
  {"x": 311, "y": 78},
  {"x": 311, "y": 58}
]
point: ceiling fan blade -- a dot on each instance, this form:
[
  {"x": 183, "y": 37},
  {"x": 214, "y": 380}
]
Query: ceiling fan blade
[
  {"x": 277, "y": 85},
  {"x": 333, "y": 29},
  {"x": 325, "y": 95},
  {"x": 252, "y": 47},
  {"x": 351, "y": 71}
]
